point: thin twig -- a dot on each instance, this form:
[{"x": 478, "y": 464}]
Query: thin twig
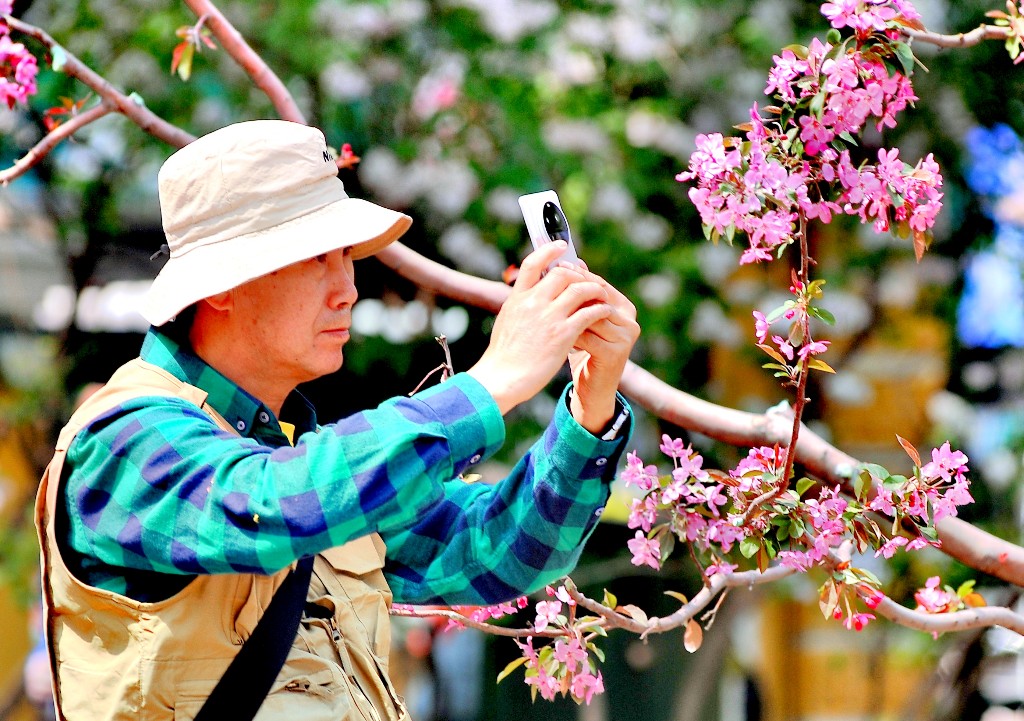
[
  {"x": 255, "y": 67},
  {"x": 52, "y": 139},
  {"x": 130, "y": 107}
]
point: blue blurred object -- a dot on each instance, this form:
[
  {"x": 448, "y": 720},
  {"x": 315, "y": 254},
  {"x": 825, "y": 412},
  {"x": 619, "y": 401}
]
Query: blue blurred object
[{"x": 991, "y": 310}]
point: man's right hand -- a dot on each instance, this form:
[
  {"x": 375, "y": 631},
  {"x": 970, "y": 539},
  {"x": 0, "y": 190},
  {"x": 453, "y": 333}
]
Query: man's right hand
[{"x": 537, "y": 327}]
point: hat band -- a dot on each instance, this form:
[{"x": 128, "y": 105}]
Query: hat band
[{"x": 260, "y": 215}]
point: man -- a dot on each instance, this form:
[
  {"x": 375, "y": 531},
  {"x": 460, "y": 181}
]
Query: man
[{"x": 183, "y": 493}]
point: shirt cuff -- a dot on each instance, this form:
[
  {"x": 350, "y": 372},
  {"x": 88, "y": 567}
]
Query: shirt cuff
[
  {"x": 471, "y": 417},
  {"x": 581, "y": 454}
]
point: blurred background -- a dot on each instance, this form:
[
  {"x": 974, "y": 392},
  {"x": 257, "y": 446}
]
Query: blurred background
[{"x": 457, "y": 107}]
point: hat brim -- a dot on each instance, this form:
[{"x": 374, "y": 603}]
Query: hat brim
[{"x": 213, "y": 268}]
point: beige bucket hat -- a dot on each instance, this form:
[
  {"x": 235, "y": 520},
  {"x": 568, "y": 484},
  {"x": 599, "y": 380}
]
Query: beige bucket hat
[{"x": 252, "y": 198}]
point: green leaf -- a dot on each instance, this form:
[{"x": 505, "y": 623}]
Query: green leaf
[
  {"x": 965, "y": 588},
  {"x": 137, "y": 99},
  {"x": 822, "y": 314},
  {"x": 818, "y": 105},
  {"x": 833, "y": 37},
  {"x": 876, "y": 470},
  {"x": 510, "y": 668},
  {"x": 845, "y": 135},
  {"x": 609, "y": 599},
  {"x": 906, "y": 57},
  {"x": 678, "y": 596},
  {"x": 802, "y": 485},
  {"x": 928, "y": 532},
  {"x": 820, "y": 365},
  {"x": 749, "y": 547},
  {"x": 859, "y": 484},
  {"x": 59, "y": 57},
  {"x": 596, "y": 651}
]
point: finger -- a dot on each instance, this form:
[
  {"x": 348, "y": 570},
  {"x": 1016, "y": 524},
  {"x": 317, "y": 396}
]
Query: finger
[
  {"x": 536, "y": 263},
  {"x": 615, "y": 296},
  {"x": 557, "y": 280},
  {"x": 575, "y": 296},
  {"x": 586, "y": 316}
]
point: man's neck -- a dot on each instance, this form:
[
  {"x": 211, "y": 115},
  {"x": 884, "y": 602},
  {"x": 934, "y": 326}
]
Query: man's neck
[{"x": 241, "y": 364}]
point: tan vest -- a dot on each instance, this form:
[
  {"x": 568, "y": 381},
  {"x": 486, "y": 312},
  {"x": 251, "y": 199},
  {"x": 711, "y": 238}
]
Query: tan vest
[{"x": 115, "y": 658}]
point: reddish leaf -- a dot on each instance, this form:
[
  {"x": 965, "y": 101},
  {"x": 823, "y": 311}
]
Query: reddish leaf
[
  {"x": 911, "y": 451},
  {"x": 693, "y": 637}
]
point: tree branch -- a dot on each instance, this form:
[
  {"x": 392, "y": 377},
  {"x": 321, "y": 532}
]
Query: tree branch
[
  {"x": 51, "y": 139},
  {"x": 117, "y": 100},
  {"x": 955, "y": 621},
  {"x": 960, "y": 540},
  {"x": 249, "y": 60},
  {"x": 490, "y": 628},
  {"x": 960, "y": 40}
]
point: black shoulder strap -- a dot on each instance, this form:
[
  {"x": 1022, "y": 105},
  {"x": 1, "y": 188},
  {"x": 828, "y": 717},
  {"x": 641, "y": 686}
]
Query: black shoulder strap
[{"x": 243, "y": 687}]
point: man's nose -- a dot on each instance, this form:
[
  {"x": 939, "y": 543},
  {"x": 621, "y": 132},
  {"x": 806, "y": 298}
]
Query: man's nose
[{"x": 342, "y": 279}]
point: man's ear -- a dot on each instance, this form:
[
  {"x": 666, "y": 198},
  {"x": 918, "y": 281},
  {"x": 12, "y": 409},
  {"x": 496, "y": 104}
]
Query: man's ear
[{"x": 220, "y": 302}]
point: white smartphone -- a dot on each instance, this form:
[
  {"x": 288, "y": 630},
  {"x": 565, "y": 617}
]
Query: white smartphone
[{"x": 546, "y": 222}]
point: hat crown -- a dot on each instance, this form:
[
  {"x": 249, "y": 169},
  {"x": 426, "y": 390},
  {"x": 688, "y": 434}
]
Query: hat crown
[{"x": 244, "y": 178}]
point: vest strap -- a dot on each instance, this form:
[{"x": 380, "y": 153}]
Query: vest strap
[{"x": 247, "y": 681}]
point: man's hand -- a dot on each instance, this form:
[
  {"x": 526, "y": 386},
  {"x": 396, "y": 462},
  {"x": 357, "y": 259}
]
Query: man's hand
[
  {"x": 597, "y": 365},
  {"x": 538, "y": 325}
]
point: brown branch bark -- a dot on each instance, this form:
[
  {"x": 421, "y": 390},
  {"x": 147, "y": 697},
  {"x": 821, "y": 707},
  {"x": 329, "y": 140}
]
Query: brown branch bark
[
  {"x": 959, "y": 40},
  {"x": 139, "y": 114},
  {"x": 51, "y": 139},
  {"x": 249, "y": 60},
  {"x": 960, "y": 540}
]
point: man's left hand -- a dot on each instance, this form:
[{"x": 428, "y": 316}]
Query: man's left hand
[{"x": 600, "y": 358}]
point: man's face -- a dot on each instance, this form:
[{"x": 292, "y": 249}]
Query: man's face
[{"x": 298, "y": 318}]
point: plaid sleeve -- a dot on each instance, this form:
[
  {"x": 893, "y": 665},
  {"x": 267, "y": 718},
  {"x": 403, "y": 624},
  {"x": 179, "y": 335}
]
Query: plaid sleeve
[
  {"x": 482, "y": 544},
  {"x": 155, "y": 485}
]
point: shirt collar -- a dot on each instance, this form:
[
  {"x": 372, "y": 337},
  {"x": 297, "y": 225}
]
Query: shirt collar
[{"x": 247, "y": 414}]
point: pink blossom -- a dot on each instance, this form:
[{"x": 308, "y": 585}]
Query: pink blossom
[
  {"x": 813, "y": 348},
  {"x": 802, "y": 561},
  {"x": 784, "y": 346},
  {"x": 761, "y": 326},
  {"x": 945, "y": 464},
  {"x": 932, "y": 599},
  {"x": 890, "y": 547},
  {"x": 720, "y": 567},
  {"x": 690, "y": 467},
  {"x": 585, "y": 686},
  {"x": 643, "y": 513},
  {"x": 918, "y": 543},
  {"x": 547, "y": 613},
  {"x": 546, "y": 684},
  {"x": 6, "y": 7},
  {"x": 874, "y": 598},
  {"x": 636, "y": 473},
  {"x": 857, "y": 621},
  {"x": 646, "y": 551},
  {"x": 571, "y": 653},
  {"x": 815, "y": 135},
  {"x": 672, "y": 447}
]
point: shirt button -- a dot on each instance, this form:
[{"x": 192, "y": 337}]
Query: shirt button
[
  {"x": 476, "y": 458},
  {"x": 601, "y": 462},
  {"x": 264, "y": 417},
  {"x": 599, "y": 511},
  {"x": 240, "y": 425}
]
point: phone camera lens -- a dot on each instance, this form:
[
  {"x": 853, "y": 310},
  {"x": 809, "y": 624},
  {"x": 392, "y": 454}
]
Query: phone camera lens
[{"x": 555, "y": 224}]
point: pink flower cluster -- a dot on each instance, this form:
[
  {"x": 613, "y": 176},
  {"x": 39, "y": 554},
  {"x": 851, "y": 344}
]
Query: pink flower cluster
[
  {"x": 866, "y": 16},
  {"x": 794, "y": 164},
  {"x": 932, "y": 599},
  {"x": 564, "y": 666},
  {"x": 18, "y": 67},
  {"x": 941, "y": 485}
]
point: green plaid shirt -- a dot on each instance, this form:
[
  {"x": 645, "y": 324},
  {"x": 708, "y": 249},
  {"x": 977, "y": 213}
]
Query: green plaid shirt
[{"x": 155, "y": 493}]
